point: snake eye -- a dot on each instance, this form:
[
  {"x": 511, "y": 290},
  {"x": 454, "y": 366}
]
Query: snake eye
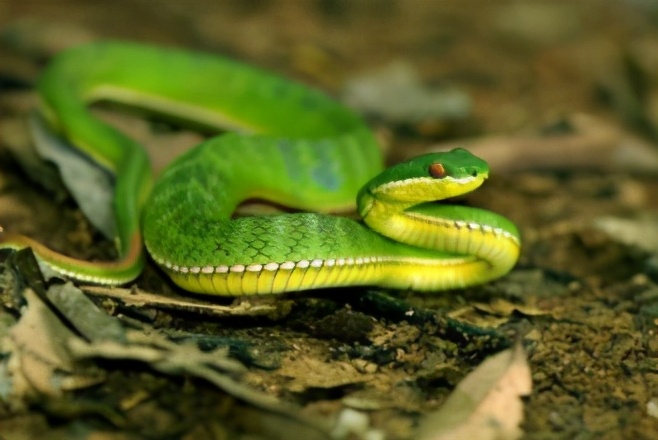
[{"x": 437, "y": 170}]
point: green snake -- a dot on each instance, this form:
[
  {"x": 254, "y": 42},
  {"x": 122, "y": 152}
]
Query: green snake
[{"x": 289, "y": 145}]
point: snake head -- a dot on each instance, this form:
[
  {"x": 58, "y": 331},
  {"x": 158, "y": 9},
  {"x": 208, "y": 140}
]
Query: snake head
[{"x": 426, "y": 178}]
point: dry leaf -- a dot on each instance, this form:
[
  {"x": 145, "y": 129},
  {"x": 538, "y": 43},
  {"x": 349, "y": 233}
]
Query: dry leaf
[
  {"x": 37, "y": 358},
  {"x": 485, "y": 405},
  {"x": 44, "y": 357},
  {"x": 398, "y": 94},
  {"x": 640, "y": 232},
  {"x": 90, "y": 185},
  {"x": 81, "y": 312}
]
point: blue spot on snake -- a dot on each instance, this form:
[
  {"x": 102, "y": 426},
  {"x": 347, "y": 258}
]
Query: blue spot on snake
[
  {"x": 323, "y": 169},
  {"x": 289, "y": 153},
  {"x": 324, "y": 172}
]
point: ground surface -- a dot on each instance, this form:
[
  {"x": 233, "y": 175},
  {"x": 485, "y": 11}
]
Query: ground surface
[{"x": 564, "y": 107}]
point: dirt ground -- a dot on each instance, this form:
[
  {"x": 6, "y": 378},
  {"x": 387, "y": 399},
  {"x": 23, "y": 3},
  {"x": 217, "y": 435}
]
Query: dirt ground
[{"x": 564, "y": 106}]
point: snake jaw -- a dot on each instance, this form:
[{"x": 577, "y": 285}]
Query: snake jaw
[{"x": 412, "y": 191}]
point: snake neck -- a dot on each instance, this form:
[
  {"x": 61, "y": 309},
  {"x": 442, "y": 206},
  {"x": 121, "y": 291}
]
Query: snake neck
[
  {"x": 391, "y": 220},
  {"x": 463, "y": 232}
]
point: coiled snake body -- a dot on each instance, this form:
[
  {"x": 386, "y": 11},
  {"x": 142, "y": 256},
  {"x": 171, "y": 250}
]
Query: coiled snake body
[{"x": 294, "y": 147}]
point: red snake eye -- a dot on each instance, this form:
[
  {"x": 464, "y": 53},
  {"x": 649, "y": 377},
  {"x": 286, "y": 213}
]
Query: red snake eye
[{"x": 437, "y": 170}]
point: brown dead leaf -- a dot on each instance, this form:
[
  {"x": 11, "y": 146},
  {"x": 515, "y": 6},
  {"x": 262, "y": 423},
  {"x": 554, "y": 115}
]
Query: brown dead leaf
[
  {"x": 38, "y": 359},
  {"x": 641, "y": 232},
  {"x": 397, "y": 93},
  {"x": 485, "y": 405}
]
